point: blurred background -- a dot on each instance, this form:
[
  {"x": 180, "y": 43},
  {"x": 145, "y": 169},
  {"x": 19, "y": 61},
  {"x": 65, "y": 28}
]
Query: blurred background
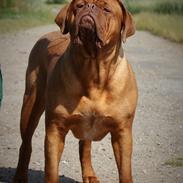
[{"x": 160, "y": 17}]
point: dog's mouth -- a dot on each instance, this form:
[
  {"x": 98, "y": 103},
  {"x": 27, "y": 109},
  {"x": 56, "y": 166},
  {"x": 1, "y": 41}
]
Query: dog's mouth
[{"x": 86, "y": 32}]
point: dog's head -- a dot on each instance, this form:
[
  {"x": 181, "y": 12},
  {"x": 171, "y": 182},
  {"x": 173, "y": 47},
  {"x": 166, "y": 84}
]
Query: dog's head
[{"x": 97, "y": 22}]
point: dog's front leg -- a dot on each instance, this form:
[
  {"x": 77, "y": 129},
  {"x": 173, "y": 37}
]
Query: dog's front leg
[
  {"x": 122, "y": 147},
  {"x": 88, "y": 173},
  {"x": 54, "y": 144}
]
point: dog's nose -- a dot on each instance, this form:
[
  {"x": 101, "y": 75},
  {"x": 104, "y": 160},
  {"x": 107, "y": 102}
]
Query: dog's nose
[{"x": 91, "y": 6}]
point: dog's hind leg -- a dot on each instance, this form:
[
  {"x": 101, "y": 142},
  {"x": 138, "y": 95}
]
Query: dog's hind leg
[
  {"x": 32, "y": 109},
  {"x": 88, "y": 173}
]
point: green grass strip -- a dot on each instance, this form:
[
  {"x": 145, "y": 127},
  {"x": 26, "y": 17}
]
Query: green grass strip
[{"x": 167, "y": 26}]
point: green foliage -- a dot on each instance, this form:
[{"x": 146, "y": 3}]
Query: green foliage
[
  {"x": 175, "y": 162},
  {"x": 12, "y": 21},
  {"x": 35, "y": 14},
  {"x": 169, "y": 7},
  {"x": 18, "y": 4},
  {"x": 156, "y": 6},
  {"x": 56, "y": 1},
  {"x": 134, "y": 9},
  {"x": 22, "y": 14},
  {"x": 137, "y": 6}
]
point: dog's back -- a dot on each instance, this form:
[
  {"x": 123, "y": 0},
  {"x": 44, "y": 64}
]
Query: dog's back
[{"x": 48, "y": 49}]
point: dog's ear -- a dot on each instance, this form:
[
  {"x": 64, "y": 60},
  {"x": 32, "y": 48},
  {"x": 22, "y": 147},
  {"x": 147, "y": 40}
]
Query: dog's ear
[
  {"x": 128, "y": 26},
  {"x": 61, "y": 19}
]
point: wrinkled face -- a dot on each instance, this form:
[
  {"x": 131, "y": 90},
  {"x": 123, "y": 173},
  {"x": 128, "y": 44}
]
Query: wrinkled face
[{"x": 96, "y": 22}]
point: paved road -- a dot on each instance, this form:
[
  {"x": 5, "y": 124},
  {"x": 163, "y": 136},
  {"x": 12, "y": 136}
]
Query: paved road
[{"x": 158, "y": 126}]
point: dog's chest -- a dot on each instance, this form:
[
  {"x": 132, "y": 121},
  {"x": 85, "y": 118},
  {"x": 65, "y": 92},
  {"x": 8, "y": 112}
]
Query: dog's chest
[{"x": 90, "y": 121}]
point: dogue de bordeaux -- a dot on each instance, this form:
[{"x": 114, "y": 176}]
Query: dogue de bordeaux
[{"x": 79, "y": 79}]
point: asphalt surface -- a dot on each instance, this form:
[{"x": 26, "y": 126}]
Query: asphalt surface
[{"x": 158, "y": 125}]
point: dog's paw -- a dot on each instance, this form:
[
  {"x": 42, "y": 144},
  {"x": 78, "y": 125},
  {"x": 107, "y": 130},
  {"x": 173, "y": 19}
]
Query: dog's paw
[{"x": 90, "y": 179}]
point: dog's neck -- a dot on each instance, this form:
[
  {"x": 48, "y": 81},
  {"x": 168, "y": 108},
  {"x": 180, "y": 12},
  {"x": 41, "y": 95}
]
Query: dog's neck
[{"x": 94, "y": 71}]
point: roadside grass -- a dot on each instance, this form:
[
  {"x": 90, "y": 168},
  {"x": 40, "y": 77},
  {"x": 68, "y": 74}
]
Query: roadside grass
[
  {"x": 160, "y": 17},
  {"x": 167, "y": 26},
  {"x": 158, "y": 6},
  {"x": 175, "y": 162},
  {"x": 12, "y": 20}
]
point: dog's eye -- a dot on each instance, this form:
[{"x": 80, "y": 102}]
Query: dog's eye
[
  {"x": 80, "y": 5},
  {"x": 107, "y": 9}
]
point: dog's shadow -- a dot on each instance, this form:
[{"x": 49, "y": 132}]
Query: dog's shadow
[{"x": 35, "y": 176}]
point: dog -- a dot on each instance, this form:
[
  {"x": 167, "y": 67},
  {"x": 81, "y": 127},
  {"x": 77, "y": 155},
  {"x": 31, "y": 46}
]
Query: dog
[{"x": 78, "y": 78}]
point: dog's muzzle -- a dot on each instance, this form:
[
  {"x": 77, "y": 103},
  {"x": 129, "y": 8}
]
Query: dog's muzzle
[
  {"x": 86, "y": 31},
  {"x": 87, "y": 22}
]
